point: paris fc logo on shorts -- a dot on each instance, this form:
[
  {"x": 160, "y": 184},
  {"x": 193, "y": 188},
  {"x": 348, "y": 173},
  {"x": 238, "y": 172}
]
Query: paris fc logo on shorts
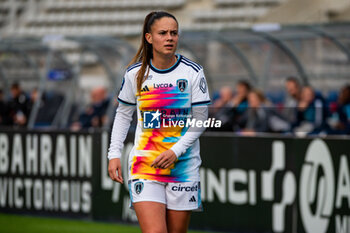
[
  {"x": 181, "y": 84},
  {"x": 151, "y": 120},
  {"x": 138, "y": 187}
]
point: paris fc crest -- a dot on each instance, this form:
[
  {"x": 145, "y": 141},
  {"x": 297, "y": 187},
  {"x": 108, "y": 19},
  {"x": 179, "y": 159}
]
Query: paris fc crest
[
  {"x": 138, "y": 187},
  {"x": 182, "y": 84}
]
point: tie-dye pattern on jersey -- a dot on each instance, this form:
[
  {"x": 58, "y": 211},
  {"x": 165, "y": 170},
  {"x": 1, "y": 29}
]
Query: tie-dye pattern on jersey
[
  {"x": 173, "y": 92},
  {"x": 152, "y": 142}
]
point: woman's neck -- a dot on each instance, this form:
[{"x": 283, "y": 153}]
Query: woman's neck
[{"x": 163, "y": 63}]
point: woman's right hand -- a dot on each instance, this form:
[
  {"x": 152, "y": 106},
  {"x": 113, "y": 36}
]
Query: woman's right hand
[
  {"x": 115, "y": 166},
  {"x": 302, "y": 105}
]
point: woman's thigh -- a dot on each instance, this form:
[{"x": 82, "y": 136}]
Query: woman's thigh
[
  {"x": 151, "y": 216},
  {"x": 177, "y": 221}
]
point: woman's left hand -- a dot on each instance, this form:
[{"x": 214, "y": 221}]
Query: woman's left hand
[{"x": 164, "y": 160}]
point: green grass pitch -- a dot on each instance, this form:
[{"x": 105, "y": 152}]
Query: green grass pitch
[{"x": 18, "y": 224}]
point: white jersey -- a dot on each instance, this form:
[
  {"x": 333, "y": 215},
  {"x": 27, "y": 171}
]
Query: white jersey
[{"x": 166, "y": 96}]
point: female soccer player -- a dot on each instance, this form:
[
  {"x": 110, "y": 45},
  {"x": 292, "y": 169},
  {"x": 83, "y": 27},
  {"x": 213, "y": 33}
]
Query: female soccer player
[{"x": 168, "y": 91}]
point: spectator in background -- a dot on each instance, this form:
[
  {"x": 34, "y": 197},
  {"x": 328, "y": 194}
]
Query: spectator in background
[
  {"x": 34, "y": 95},
  {"x": 261, "y": 116},
  {"x": 229, "y": 108},
  {"x": 4, "y": 111},
  {"x": 240, "y": 101},
  {"x": 224, "y": 99},
  {"x": 19, "y": 106},
  {"x": 222, "y": 108},
  {"x": 311, "y": 116},
  {"x": 46, "y": 110},
  {"x": 95, "y": 113},
  {"x": 342, "y": 125},
  {"x": 255, "y": 119},
  {"x": 293, "y": 97}
]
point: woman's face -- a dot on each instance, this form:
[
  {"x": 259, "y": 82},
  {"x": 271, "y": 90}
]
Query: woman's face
[
  {"x": 253, "y": 99},
  {"x": 163, "y": 36},
  {"x": 241, "y": 90},
  {"x": 307, "y": 95},
  {"x": 344, "y": 96},
  {"x": 292, "y": 88}
]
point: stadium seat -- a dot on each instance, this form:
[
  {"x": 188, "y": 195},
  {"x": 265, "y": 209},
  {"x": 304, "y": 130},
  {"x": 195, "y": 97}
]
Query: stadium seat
[
  {"x": 230, "y": 14},
  {"x": 247, "y": 2},
  {"x": 107, "y": 17},
  {"x": 58, "y": 16},
  {"x": 123, "y": 4}
]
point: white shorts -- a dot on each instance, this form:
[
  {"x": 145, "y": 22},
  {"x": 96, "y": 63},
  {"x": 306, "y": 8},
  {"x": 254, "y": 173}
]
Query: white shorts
[{"x": 176, "y": 196}]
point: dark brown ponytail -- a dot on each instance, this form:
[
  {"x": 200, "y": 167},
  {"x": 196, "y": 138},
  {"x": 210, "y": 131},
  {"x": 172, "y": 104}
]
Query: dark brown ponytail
[{"x": 144, "y": 53}]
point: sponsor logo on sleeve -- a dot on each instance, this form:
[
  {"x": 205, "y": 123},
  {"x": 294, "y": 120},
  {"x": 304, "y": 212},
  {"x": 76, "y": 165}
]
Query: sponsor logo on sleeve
[{"x": 203, "y": 85}]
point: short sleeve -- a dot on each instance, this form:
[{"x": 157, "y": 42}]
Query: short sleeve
[
  {"x": 200, "y": 92},
  {"x": 127, "y": 93}
]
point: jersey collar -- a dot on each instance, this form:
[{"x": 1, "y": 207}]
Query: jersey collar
[{"x": 179, "y": 57}]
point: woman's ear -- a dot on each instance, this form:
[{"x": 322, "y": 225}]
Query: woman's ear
[{"x": 148, "y": 37}]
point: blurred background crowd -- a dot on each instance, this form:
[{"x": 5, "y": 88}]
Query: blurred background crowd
[
  {"x": 242, "y": 108},
  {"x": 16, "y": 110},
  {"x": 272, "y": 66},
  {"x": 303, "y": 110}
]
